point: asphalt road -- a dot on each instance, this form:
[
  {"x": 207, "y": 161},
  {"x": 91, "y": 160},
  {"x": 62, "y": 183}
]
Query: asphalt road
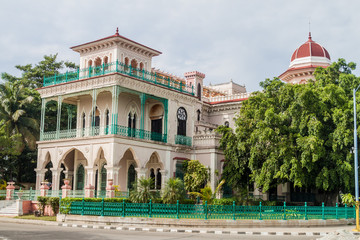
[{"x": 16, "y": 231}]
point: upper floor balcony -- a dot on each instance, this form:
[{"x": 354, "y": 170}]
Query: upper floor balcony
[{"x": 121, "y": 68}]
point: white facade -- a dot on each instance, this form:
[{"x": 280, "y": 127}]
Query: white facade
[{"x": 130, "y": 120}]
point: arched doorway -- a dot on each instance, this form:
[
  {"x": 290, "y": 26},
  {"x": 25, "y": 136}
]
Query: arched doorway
[
  {"x": 154, "y": 167},
  {"x": 127, "y": 170},
  {"x": 131, "y": 177}
]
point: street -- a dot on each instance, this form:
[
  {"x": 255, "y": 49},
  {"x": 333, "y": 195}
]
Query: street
[{"x": 16, "y": 231}]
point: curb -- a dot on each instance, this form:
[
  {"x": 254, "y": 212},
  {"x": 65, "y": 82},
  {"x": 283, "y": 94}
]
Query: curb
[{"x": 220, "y": 232}]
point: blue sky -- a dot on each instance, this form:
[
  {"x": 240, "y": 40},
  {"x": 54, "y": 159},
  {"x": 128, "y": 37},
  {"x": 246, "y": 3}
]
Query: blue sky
[{"x": 246, "y": 41}]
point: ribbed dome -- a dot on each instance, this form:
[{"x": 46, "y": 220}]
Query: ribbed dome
[{"x": 310, "y": 49}]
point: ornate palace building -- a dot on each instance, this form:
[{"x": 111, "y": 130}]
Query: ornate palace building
[{"x": 118, "y": 118}]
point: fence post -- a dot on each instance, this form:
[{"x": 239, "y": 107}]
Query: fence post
[
  {"x": 78, "y": 73},
  {"x": 30, "y": 193},
  {"x": 205, "y": 210},
  {"x": 260, "y": 218},
  {"x": 336, "y": 211},
  {"x": 234, "y": 211},
  {"x": 346, "y": 216},
  {"x": 177, "y": 209},
  {"x": 284, "y": 218},
  {"x": 150, "y": 208},
  {"x": 306, "y": 217},
  {"x": 323, "y": 211},
  {"x": 102, "y": 207},
  {"x": 123, "y": 213},
  {"x": 82, "y": 207},
  {"x": 103, "y": 68}
]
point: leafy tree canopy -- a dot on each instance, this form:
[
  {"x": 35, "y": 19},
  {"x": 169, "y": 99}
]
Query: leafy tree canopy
[
  {"x": 196, "y": 176},
  {"x": 295, "y": 133}
]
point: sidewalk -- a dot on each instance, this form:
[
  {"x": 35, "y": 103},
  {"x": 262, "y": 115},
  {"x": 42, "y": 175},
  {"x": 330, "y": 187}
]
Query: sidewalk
[{"x": 265, "y": 231}]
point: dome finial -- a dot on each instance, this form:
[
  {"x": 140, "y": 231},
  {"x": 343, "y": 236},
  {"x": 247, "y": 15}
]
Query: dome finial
[
  {"x": 309, "y": 31},
  {"x": 117, "y": 31}
]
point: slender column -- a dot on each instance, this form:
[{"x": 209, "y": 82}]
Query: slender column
[
  {"x": 141, "y": 172},
  {"x": 90, "y": 172},
  {"x": 69, "y": 110},
  {"x": 114, "y": 111},
  {"x": 113, "y": 173},
  {"x": 163, "y": 178},
  {"x": 142, "y": 118},
  {"x": 58, "y": 117},
  {"x": 93, "y": 106},
  {"x": 56, "y": 178},
  {"x": 165, "y": 119},
  {"x": 69, "y": 175},
  {"x": 43, "y": 107},
  {"x": 40, "y": 174}
]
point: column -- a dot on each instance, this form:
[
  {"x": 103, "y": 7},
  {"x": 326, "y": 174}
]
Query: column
[
  {"x": 163, "y": 178},
  {"x": 69, "y": 111},
  {"x": 69, "y": 175},
  {"x": 79, "y": 119},
  {"x": 58, "y": 117},
  {"x": 40, "y": 174},
  {"x": 114, "y": 109},
  {"x": 213, "y": 167},
  {"x": 165, "y": 120},
  {"x": 56, "y": 178},
  {"x": 42, "y": 121},
  {"x": 90, "y": 181},
  {"x": 141, "y": 172},
  {"x": 142, "y": 118},
  {"x": 10, "y": 190},
  {"x": 93, "y": 106},
  {"x": 113, "y": 173}
]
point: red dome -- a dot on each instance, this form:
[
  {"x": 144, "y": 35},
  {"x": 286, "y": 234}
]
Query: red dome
[{"x": 310, "y": 49}]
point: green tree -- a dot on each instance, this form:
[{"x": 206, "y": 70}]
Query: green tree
[
  {"x": 196, "y": 176},
  {"x": 206, "y": 193},
  {"x": 13, "y": 100},
  {"x": 174, "y": 190},
  {"x": 142, "y": 193},
  {"x": 295, "y": 133}
]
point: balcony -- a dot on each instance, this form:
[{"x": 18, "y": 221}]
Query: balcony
[
  {"x": 96, "y": 131},
  {"x": 183, "y": 140},
  {"x": 118, "y": 67}
]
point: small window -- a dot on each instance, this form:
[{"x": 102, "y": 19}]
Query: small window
[{"x": 181, "y": 117}]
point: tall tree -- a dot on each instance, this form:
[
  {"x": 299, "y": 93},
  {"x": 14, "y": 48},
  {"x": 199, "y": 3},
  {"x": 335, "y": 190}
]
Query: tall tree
[
  {"x": 196, "y": 176},
  {"x": 295, "y": 133}
]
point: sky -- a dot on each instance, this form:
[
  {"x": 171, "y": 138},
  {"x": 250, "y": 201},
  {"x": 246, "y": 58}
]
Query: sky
[{"x": 246, "y": 41}]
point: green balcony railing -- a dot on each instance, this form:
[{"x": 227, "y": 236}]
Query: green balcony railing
[
  {"x": 96, "y": 131},
  {"x": 183, "y": 140},
  {"x": 118, "y": 67}
]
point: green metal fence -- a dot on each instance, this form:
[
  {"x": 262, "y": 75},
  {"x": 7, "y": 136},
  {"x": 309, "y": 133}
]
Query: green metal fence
[
  {"x": 119, "y": 67},
  {"x": 205, "y": 211}
]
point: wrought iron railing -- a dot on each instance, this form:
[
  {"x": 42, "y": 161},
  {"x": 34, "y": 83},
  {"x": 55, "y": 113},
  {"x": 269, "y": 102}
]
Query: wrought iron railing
[
  {"x": 183, "y": 140},
  {"x": 206, "y": 211},
  {"x": 119, "y": 67},
  {"x": 96, "y": 131}
]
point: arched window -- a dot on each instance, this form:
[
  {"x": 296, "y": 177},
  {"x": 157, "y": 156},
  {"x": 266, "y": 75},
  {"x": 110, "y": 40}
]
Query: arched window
[
  {"x": 131, "y": 125},
  {"x": 199, "y": 92},
  {"x": 227, "y": 124},
  {"x": 106, "y": 63},
  {"x": 198, "y": 113},
  {"x": 48, "y": 173},
  {"x": 134, "y": 66},
  {"x": 103, "y": 178},
  {"x": 80, "y": 176},
  {"x": 134, "y": 121},
  {"x": 152, "y": 176},
  {"x": 131, "y": 177},
  {"x": 89, "y": 63},
  {"x": 141, "y": 66},
  {"x": 83, "y": 124},
  {"x": 126, "y": 63},
  {"x": 158, "y": 179},
  {"x": 181, "y": 117},
  {"x": 107, "y": 120}
]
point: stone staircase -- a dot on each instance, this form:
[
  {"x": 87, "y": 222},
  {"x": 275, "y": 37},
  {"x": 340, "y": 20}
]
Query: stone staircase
[{"x": 8, "y": 208}]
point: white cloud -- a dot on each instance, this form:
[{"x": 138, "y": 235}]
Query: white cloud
[{"x": 246, "y": 41}]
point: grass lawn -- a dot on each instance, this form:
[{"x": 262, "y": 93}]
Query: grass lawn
[{"x": 32, "y": 217}]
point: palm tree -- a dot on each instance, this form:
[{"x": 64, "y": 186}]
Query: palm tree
[
  {"x": 142, "y": 192},
  {"x": 174, "y": 190},
  {"x": 206, "y": 194},
  {"x": 14, "y": 98}
]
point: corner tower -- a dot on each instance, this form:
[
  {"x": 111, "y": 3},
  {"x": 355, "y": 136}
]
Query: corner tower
[{"x": 304, "y": 61}]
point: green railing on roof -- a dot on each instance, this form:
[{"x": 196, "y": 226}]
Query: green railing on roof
[
  {"x": 96, "y": 131},
  {"x": 183, "y": 140},
  {"x": 206, "y": 211},
  {"x": 118, "y": 67}
]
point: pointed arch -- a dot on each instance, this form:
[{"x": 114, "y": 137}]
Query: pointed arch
[{"x": 62, "y": 160}]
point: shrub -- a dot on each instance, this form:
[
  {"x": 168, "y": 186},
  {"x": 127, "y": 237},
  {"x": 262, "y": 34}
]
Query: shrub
[
  {"x": 2, "y": 197},
  {"x": 42, "y": 203},
  {"x": 174, "y": 190},
  {"x": 54, "y": 204},
  {"x": 187, "y": 201},
  {"x": 223, "y": 201}
]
